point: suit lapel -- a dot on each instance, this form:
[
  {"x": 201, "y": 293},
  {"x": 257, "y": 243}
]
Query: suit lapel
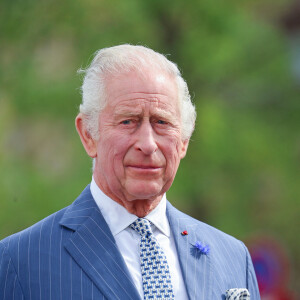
[
  {"x": 196, "y": 269},
  {"x": 93, "y": 247}
]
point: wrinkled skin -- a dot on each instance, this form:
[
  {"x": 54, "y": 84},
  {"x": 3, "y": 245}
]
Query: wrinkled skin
[{"x": 139, "y": 147}]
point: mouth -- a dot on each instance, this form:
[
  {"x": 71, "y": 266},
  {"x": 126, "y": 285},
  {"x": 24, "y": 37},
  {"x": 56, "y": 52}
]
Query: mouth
[{"x": 144, "y": 167}]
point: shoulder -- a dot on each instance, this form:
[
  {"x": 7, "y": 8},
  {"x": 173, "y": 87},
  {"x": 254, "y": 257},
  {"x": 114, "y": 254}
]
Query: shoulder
[
  {"x": 17, "y": 250},
  {"x": 206, "y": 229},
  {"x": 48, "y": 228},
  {"x": 229, "y": 258},
  {"x": 48, "y": 225},
  {"x": 218, "y": 240}
]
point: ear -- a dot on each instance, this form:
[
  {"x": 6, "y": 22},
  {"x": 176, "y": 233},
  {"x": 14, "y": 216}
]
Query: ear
[
  {"x": 184, "y": 146},
  {"x": 89, "y": 144}
]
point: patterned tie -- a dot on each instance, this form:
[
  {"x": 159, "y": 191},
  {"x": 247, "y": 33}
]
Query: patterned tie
[{"x": 154, "y": 266}]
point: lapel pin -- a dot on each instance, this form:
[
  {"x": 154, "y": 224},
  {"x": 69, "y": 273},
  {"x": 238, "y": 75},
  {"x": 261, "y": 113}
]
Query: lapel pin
[
  {"x": 184, "y": 232},
  {"x": 199, "y": 248}
]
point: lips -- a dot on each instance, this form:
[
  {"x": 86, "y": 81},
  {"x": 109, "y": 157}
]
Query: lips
[{"x": 144, "y": 167}]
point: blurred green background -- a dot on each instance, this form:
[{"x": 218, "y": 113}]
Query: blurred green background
[{"x": 241, "y": 60}]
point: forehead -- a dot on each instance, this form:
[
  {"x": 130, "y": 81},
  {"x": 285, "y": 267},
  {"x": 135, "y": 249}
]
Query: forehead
[{"x": 141, "y": 89}]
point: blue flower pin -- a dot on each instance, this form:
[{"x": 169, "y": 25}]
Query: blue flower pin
[{"x": 199, "y": 248}]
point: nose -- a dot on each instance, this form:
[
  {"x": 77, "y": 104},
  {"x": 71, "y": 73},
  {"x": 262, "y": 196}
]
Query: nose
[{"x": 146, "y": 139}]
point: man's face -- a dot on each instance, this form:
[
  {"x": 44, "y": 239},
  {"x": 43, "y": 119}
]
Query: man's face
[{"x": 139, "y": 146}]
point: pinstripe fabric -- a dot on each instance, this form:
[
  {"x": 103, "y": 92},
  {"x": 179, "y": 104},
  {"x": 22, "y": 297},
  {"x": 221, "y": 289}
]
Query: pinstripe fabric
[
  {"x": 73, "y": 255},
  {"x": 69, "y": 255},
  {"x": 228, "y": 264}
]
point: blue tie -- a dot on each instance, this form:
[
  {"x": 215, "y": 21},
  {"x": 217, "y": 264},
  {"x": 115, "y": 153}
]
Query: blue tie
[{"x": 154, "y": 266}]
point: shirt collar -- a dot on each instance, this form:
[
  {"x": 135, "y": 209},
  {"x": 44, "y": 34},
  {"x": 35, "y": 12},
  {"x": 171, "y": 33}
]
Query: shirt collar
[{"x": 118, "y": 218}]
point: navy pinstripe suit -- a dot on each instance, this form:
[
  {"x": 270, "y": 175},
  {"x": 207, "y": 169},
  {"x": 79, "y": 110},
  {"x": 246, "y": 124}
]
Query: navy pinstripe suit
[{"x": 72, "y": 255}]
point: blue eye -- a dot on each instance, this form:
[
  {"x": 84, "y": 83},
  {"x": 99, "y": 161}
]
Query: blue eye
[
  {"x": 161, "y": 122},
  {"x": 126, "y": 122}
]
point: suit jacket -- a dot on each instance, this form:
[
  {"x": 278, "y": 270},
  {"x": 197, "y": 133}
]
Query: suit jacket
[{"x": 73, "y": 255}]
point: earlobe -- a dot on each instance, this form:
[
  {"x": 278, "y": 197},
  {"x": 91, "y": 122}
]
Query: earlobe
[
  {"x": 184, "y": 146},
  {"x": 88, "y": 142}
]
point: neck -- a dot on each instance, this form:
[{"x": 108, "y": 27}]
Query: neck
[{"x": 138, "y": 207}]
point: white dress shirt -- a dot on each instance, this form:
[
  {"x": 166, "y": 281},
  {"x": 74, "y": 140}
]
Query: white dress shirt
[{"x": 119, "y": 219}]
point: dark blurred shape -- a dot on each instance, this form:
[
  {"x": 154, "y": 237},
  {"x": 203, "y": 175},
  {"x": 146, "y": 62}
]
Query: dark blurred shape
[
  {"x": 291, "y": 24},
  {"x": 291, "y": 20},
  {"x": 272, "y": 268}
]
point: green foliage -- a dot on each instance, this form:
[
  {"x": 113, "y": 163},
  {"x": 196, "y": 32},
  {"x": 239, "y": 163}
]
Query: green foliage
[{"x": 241, "y": 173}]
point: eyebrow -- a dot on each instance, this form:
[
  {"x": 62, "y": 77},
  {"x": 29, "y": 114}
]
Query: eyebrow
[
  {"x": 125, "y": 112},
  {"x": 159, "y": 114}
]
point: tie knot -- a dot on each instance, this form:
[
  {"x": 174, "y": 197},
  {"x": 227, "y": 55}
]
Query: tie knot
[{"x": 142, "y": 226}]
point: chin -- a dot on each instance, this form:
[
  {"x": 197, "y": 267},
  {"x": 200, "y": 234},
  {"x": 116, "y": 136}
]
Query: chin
[{"x": 144, "y": 191}]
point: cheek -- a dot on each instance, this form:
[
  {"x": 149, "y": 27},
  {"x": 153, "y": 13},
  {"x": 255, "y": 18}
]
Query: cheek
[
  {"x": 172, "y": 154},
  {"x": 116, "y": 149}
]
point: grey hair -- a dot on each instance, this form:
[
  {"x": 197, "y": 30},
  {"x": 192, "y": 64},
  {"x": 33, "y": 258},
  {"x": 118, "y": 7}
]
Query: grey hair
[{"x": 121, "y": 59}]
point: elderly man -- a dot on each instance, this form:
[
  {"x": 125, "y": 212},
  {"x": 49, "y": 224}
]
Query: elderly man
[{"x": 121, "y": 238}]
